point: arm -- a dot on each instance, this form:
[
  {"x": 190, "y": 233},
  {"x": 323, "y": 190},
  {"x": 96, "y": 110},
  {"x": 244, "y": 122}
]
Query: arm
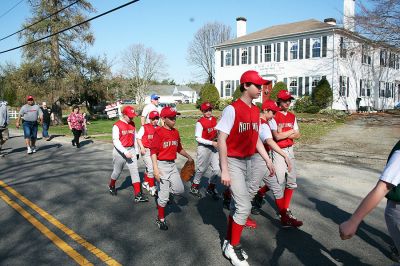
[
  {"x": 118, "y": 145},
  {"x": 276, "y": 148},
  {"x": 142, "y": 148},
  {"x": 349, "y": 227},
  {"x": 261, "y": 150},
  {"x": 18, "y": 120},
  {"x": 282, "y": 135},
  {"x": 156, "y": 171},
  {"x": 142, "y": 120},
  {"x": 199, "y": 139},
  {"x": 185, "y": 154},
  {"x": 223, "y": 158},
  {"x": 296, "y": 133}
]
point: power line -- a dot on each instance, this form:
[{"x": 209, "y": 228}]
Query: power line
[
  {"x": 76, "y": 25},
  {"x": 8, "y": 11},
  {"x": 27, "y": 27}
]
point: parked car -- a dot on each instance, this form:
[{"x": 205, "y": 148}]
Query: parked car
[
  {"x": 162, "y": 105},
  {"x": 397, "y": 105},
  {"x": 128, "y": 102}
]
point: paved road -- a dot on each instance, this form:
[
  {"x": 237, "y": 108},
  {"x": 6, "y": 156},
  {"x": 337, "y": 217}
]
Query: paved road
[{"x": 71, "y": 185}]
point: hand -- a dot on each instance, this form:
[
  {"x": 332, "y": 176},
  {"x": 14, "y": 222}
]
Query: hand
[
  {"x": 142, "y": 151},
  {"x": 289, "y": 165},
  {"x": 190, "y": 159},
  {"x": 271, "y": 168},
  {"x": 347, "y": 229},
  {"x": 128, "y": 154},
  {"x": 215, "y": 144},
  {"x": 225, "y": 178},
  {"x": 17, "y": 125},
  {"x": 156, "y": 174}
]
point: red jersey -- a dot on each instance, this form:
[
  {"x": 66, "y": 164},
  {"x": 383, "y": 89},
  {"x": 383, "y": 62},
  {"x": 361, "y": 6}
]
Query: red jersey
[
  {"x": 126, "y": 133},
  {"x": 147, "y": 138},
  {"x": 243, "y": 136},
  {"x": 266, "y": 146},
  {"x": 209, "y": 132},
  {"x": 286, "y": 122},
  {"x": 166, "y": 143}
]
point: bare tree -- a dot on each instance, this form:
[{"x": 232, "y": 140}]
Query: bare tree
[
  {"x": 201, "y": 51},
  {"x": 142, "y": 65},
  {"x": 379, "y": 20}
]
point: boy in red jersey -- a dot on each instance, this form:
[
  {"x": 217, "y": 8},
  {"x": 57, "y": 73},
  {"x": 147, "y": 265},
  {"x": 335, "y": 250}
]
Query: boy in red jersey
[
  {"x": 238, "y": 140},
  {"x": 207, "y": 153},
  {"x": 144, "y": 139},
  {"x": 285, "y": 130},
  {"x": 166, "y": 143},
  {"x": 124, "y": 153}
]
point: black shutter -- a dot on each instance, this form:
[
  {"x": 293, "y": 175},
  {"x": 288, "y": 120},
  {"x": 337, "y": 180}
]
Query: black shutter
[
  {"x": 237, "y": 57},
  {"x": 249, "y": 55},
  {"x": 324, "y": 45},
  {"x": 348, "y": 86},
  {"x": 340, "y": 86},
  {"x": 301, "y": 49},
  {"x": 261, "y": 59},
  {"x": 232, "y": 87},
  {"x": 256, "y": 54},
  {"x": 233, "y": 57},
  {"x": 307, "y": 86},
  {"x": 361, "y": 94},
  {"x": 285, "y": 51},
  {"x": 237, "y": 84},
  {"x": 222, "y": 58},
  {"x": 300, "y": 93},
  {"x": 307, "y": 48},
  {"x": 222, "y": 89},
  {"x": 278, "y": 53}
]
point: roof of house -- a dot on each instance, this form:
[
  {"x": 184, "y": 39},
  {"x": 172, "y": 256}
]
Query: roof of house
[
  {"x": 167, "y": 90},
  {"x": 282, "y": 30}
]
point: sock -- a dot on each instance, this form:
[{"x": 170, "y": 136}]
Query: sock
[
  {"x": 229, "y": 230},
  {"x": 211, "y": 186},
  {"x": 161, "y": 212},
  {"x": 194, "y": 185},
  {"x": 112, "y": 182},
  {"x": 261, "y": 192},
  {"x": 236, "y": 233},
  {"x": 151, "y": 181},
  {"x": 280, "y": 204},
  {"x": 136, "y": 188},
  {"x": 288, "y": 197}
]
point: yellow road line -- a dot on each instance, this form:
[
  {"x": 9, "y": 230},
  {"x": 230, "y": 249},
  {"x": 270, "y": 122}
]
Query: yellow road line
[
  {"x": 46, "y": 231},
  {"x": 97, "y": 252}
]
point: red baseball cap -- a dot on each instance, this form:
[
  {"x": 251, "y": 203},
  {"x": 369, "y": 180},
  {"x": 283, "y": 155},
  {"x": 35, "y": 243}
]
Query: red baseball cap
[
  {"x": 206, "y": 106},
  {"x": 153, "y": 114},
  {"x": 29, "y": 97},
  {"x": 129, "y": 111},
  {"x": 270, "y": 105},
  {"x": 168, "y": 112},
  {"x": 252, "y": 76},
  {"x": 285, "y": 95}
]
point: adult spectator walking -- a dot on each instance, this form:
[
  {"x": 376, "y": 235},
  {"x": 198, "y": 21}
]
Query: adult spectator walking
[
  {"x": 4, "y": 121},
  {"x": 152, "y": 106},
  {"x": 30, "y": 113},
  {"x": 47, "y": 117},
  {"x": 75, "y": 123}
]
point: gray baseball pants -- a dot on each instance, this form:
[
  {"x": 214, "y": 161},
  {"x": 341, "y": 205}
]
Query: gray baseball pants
[
  {"x": 207, "y": 156},
  {"x": 148, "y": 163},
  {"x": 239, "y": 172},
  {"x": 285, "y": 179},
  {"x": 119, "y": 161},
  {"x": 170, "y": 181},
  {"x": 392, "y": 218},
  {"x": 260, "y": 173}
]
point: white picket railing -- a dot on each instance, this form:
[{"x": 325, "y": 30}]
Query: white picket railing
[{"x": 12, "y": 113}]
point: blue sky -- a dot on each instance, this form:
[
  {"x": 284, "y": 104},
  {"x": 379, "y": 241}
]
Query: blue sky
[{"x": 168, "y": 26}]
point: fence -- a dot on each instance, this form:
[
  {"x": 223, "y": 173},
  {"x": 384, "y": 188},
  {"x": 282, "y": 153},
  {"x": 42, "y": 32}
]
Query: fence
[{"x": 12, "y": 113}]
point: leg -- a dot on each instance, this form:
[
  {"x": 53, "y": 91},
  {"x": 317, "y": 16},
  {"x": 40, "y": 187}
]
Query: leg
[
  {"x": 27, "y": 135},
  {"x": 34, "y": 131},
  {"x": 203, "y": 162},
  {"x": 392, "y": 218},
  {"x": 134, "y": 172},
  {"x": 150, "y": 175},
  {"x": 163, "y": 194}
]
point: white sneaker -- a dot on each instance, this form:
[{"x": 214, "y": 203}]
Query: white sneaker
[
  {"x": 146, "y": 186},
  {"x": 33, "y": 149},
  {"x": 235, "y": 255},
  {"x": 153, "y": 191},
  {"x": 29, "y": 150},
  {"x": 225, "y": 244}
]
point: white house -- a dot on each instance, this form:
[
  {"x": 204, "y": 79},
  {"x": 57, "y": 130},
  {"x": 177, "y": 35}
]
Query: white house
[
  {"x": 172, "y": 93},
  {"x": 361, "y": 73}
]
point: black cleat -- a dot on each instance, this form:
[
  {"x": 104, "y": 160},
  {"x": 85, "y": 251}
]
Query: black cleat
[
  {"x": 162, "y": 224},
  {"x": 255, "y": 210},
  {"x": 112, "y": 190},
  {"x": 141, "y": 198},
  {"x": 195, "y": 192},
  {"x": 213, "y": 193}
]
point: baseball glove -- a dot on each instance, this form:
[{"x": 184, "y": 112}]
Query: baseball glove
[{"x": 187, "y": 170}]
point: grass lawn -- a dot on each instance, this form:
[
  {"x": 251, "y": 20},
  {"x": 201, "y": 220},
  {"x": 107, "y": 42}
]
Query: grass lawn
[{"x": 101, "y": 129}]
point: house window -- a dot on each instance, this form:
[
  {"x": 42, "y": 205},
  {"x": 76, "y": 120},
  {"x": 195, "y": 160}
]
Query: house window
[
  {"x": 388, "y": 92},
  {"x": 294, "y": 49},
  {"x": 366, "y": 58},
  {"x": 383, "y": 57},
  {"x": 228, "y": 58},
  {"x": 316, "y": 47},
  {"x": 267, "y": 52},
  {"x": 381, "y": 89},
  {"x": 362, "y": 88},
  {"x": 314, "y": 83},
  {"x": 293, "y": 86},
  {"x": 244, "y": 56},
  {"x": 343, "y": 48},
  {"x": 228, "y": 88},
  {"x": 343, "y": 85}
]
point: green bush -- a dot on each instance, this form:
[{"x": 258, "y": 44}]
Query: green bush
[
  {"x": 208, "y": 93},
  {"x": 237, "y": 93},
  {"x": 322, "y": 94},
  {"x": 313, "y": 109},
  {"x": 277, "y": 87},
  {"x": 301, "y": 104},
  {"x": 334, "y": 113},
  {"x": 222, "y": 103},
  {"x": 259, "y": 105}
]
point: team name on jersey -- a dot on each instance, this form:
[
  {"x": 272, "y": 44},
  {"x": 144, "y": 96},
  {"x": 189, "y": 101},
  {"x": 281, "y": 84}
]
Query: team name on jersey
[
  {"x": 166, "y": 144},
  {"x": 126, "y": 132},
  {"x": 247, "y": 126},
  {"x": 291, "y": 125}
]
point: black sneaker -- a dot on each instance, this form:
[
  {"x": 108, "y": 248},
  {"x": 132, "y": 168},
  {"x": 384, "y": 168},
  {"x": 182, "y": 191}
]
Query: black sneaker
[
  {"x": 112, "y": 190},
  {"x": 394, "y": 254},
  {"x": 141, "y": 198},
  {"x": 162, "y": 224},
  {"x": 239, "y": 252},
  {"x": 195, "y": 192},
  {"x": 212, "y": 193},
  {"x": 73, "y": 142},
  {"x": 255, "y": 210}
]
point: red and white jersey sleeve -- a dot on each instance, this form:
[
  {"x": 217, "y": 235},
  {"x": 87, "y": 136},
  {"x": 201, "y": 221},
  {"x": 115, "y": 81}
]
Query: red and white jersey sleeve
[
  {"x": 265, "y": 132},
  {"x": 140, "y": 133},
  {"x": 199, "y": 133},
  {"x": 272, "y": 125},
  {"x": 227, "y": 120}
]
